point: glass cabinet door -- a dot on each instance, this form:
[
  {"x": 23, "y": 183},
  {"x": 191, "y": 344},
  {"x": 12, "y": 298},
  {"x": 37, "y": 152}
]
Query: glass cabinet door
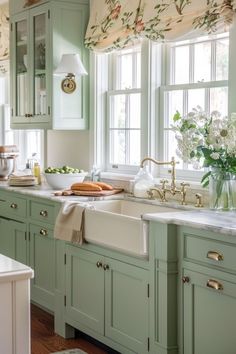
[
  {"x": 21, "y": 89},
  {"x": 39, "y": 69}
]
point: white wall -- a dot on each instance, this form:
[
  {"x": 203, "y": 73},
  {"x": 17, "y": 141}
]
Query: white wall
[{"x": 68, "y": 148}]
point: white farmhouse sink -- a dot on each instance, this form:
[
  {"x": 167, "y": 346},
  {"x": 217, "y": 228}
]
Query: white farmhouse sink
[{"x": 117, "y": 224}]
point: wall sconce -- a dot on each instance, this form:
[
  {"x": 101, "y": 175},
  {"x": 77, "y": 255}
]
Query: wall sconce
[{"x": 71, "y": 65}]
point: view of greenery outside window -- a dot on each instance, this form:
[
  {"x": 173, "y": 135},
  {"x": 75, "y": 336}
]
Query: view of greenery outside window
[
  {"x": 124, "y": 109},
  {"x": 196, "y": 75}
]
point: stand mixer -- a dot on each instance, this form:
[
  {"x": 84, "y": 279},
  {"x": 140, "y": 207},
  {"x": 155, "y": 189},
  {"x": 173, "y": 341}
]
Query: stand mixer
[{"x": 8, "y": 154}]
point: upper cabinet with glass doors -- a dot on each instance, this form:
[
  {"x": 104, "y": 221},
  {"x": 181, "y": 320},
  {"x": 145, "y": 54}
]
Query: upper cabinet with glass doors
[{"x": 39, "y": 36}]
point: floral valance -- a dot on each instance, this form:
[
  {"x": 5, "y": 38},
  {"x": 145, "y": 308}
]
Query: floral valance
[
  {"x": 4, "y": 32},
  {"x": 115, "y": 24}
]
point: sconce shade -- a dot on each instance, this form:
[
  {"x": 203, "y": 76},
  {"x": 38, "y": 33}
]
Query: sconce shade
[{"x": 70, "y": 63}]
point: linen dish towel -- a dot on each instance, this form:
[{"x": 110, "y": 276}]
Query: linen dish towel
[{"x": 69, "y": 225}]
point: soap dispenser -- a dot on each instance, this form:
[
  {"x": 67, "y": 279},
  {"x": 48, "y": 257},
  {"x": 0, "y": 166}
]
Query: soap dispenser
[{"x": 143, "y": 182}]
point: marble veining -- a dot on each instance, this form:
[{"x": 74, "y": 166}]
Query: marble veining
[
  {"x": 216, "y": 221},
  {"x": 205, "y": 219}
]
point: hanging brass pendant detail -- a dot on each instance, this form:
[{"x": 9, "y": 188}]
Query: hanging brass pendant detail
[{"x": 68, "y": 85}]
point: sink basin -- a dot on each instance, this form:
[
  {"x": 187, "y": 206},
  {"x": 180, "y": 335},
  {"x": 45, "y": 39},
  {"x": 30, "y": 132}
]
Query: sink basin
[{"x": 118, "y": 224}]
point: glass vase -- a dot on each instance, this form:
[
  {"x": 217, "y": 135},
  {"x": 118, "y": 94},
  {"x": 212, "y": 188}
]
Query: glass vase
[{"x": 221, "y": 190}]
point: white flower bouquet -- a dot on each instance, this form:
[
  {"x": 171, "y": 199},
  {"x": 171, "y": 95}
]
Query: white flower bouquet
[{"x": 208, "y": 141}]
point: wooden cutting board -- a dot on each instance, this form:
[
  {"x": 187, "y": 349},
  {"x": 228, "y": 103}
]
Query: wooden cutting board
[{"x": 102, "y": 193}]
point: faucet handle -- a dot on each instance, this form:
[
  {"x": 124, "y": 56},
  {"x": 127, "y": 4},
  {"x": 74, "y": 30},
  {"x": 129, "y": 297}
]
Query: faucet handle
[
  {"x": 198, "y": 200},
  {"x": 163, "y": 183},
  {"x": 150, "y": 194}
]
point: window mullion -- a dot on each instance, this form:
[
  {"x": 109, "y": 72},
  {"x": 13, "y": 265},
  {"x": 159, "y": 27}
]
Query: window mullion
[
  {"x": 191, "y": 63},
  {"x": 127, "y": 131},
  {"x": 213, "y": 60}
]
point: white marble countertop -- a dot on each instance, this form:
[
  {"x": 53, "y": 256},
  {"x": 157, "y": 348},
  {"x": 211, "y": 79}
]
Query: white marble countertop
[
  {"x": 13, "y": 270},
  {"x": 201, "y": 218},
  {"x": 223, "y": 222}
]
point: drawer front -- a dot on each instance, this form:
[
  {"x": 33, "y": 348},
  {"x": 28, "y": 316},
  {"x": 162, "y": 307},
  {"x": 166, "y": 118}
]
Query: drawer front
[
  {"x": 42, "y": 212},
  {"x": 43, "y": 231},
  {"x": 215, "y": 253},
  {"x": 12, "y": 206}
]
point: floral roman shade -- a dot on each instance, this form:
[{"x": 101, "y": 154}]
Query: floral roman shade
[
  {"x": 115, "y": 24},
  {"x": 4, "y": 32}
]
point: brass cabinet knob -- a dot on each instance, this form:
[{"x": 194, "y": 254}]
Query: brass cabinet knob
[
  {"x": 43, "y": 213},
  {"x": 214, "y": 284},
  {"x": 106, "y": 267},
  {"x": 185, "y": 280},
  {"x": 14, "y": 206},
  {"x": 215, "y": 256},
  {"x": 43, "y": 232},
  {"x": 99, "y": 264}
]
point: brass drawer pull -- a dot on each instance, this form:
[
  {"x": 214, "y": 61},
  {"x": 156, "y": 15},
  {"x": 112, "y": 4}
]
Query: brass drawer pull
[
  {"x": 214, "y": 284},
  {"x": 14, "y": 206},
  {"x": 43, "y": 232},
  {"x": 106, "y": 267},
  {"x": 43, "y": 213},
  {"x": 185, "y": 279},
  {"x": 99, "y": 264},
  {"x": 215, "y": 256}
]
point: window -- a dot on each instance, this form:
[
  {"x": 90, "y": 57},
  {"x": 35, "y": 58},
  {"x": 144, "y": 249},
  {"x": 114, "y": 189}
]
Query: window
[
  {"x": 124, "y": 110},
  {"x": 197, "y": 74},
  {"x": 138, "y": 91},
  {"x": 27, "y": 141}
]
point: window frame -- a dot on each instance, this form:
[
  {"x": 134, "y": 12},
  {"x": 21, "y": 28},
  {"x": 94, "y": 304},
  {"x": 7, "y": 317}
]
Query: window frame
[{"x": 168, "y": 86}]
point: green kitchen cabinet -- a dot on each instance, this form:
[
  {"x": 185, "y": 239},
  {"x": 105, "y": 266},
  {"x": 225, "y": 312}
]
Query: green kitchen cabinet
[
  {"x": 42, "y": 260},
  {"x": 208, "y": 291},
  {"x": 209, "y": 314},
  {"x": 13, "y": 239},
  {"x": 39, "y": 36},
  {"x": 108, "y": 297}
]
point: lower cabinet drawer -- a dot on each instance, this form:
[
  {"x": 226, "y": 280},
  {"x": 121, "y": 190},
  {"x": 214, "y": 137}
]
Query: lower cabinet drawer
[
  {"x": 40, "y": 211},
  {"x": 12, "y": 205},
  {"x": 210, "y": 252}
]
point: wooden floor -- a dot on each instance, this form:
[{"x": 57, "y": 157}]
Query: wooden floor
[{"x": 45, "y": 341}]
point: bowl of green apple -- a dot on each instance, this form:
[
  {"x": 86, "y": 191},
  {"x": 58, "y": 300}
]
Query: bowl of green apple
[{"x": 63, "y": 177}]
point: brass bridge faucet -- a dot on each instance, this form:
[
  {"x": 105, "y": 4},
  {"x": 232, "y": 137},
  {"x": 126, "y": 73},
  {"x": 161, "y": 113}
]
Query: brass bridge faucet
[{"x": 164, "y": 189}]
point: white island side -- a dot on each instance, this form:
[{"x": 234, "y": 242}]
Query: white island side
[{"x": 14, "y": 306}]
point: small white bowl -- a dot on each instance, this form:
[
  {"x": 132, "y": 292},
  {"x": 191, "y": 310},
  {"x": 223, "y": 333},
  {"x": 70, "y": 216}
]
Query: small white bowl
[{"x": 64, "y": 180}]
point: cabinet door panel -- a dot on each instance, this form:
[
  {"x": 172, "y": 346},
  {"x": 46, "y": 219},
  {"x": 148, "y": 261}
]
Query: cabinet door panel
[
  {"x": 7, "y": 247},
  {"x": 13, "y": 240},
  {"x": 209, "y": 316},
  {"x": 127, "y": 305},
  {"x": 85, "y": 288},
  {"x": 42, "y": 260}
]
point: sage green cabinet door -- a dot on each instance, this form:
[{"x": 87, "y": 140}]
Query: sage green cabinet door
[
  {"x": 85, "y": 288},
  {"x": 29, "y": 55},
  {"x": 127, "y": 305},
  {"x": 42, "y": 260},
  {"x": 13, "y": 241},
  {"x": 209, "y": 315}
]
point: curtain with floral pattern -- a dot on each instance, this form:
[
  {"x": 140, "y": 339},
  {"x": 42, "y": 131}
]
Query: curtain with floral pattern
[{"x": 115, "y": 24}]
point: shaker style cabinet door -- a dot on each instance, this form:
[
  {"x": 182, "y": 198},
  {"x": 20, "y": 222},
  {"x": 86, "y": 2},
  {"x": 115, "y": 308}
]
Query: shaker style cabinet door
[
  {"x": 13, "y": 242},
  {"x": 85, "y": 288},
  {"x": 209, "y": 314},
  {"x": 42, "y": 260},
  {"x": 127, "y": 305}
]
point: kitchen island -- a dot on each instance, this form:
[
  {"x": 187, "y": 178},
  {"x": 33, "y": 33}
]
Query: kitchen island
[{"x": 14, "y": 306}]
